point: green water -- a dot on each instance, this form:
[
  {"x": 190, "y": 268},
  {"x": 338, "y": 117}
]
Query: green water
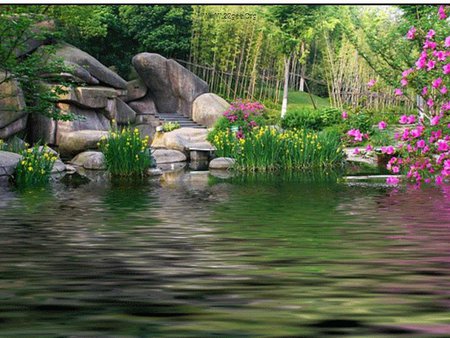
[{"x": 198, "y": 256}]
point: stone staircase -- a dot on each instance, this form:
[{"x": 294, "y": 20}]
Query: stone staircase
[{"x": 175, "y": 117}]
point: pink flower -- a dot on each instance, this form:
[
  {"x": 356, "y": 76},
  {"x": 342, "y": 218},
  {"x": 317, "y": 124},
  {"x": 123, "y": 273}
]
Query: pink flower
[
  {"x": 395, "y": 169},
  {"x": 430, "y": 102},
  {"x": 447, "y": 41},
  {"x": 411, "y": 33},
  {"x": 416, "y": 132},
  {"x": 438, "y": 180},
  {"x": 437, "y": 83},
  {"x": 404, "y": 82},
  {"x": 344, "y": 115},
  {"x": 356, "y": 134},
  {"x": 407, "y": 72},
  {"x": 371, "y": 83},
  {"x": 389, "y": 150},
  {"x": 392, "y": 180},
  {"x": 431, "y": 33},
  {"x": 446, "y": 69},
  {"x": 356, "y": 151},
  {"x": 424, "y": 91},
  {"x": 429, "y": 45},
  {"x": 398, "y": 92},
  {"x": 431, "y": 64},
  {"x": 411, "y": 119},
  {"x": 443, "y": 90},
  {"x": 421, "y": 144},
  {"x": 421, "y": 62},
  {"x": 369, "y": 148},
  {"x": 382, "y": 125},
  {"x": 443, "y": 146},
  {"x": 403, "y": 119},
  {"x": 441, "y": 13},
  {"x": 435, "y": 120},
  {"x": 440, "y": 55}
]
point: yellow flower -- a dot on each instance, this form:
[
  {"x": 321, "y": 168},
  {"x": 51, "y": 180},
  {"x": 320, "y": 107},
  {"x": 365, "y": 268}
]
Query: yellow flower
[
  {"x": 30, "y": 168},
  {"x": 113, "y": 120},
  {"x": 23, "y": 162},
  {"x": 136, "y": 131},
  {"x": 29, "y": 151}
]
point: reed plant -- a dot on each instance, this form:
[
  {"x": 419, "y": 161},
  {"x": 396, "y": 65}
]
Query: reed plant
[
  {"x": 35, "y": 167},
  {"x": 267, "y": 149},
  {"x": 126, "y": 153}
]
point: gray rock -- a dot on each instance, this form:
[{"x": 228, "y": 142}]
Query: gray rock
[
  {"x": 222, "y": 163},
  {"x": 182, "y": 139},
  {"x": 12, "y": 101},
  {"x": 92, "y": 65},
  {"x": 58, "y": 167},
  {"x": 208, "y": 108},
  {"x": 87, "y": 120},
  {"x": 136, "y": 89},
  {"x": 144, "y": 106},
  {"x": 186, "y": 86},
  {"x": 168, "y": 156},
  {"x": 92, "y": 160},
  {"x": 30, "y": 44},
  {"x": 173, "y": 87},
  {"x": 125, "y": 114},
  {"x": 43, "y": 129},
  {"x": 154, "y": 172},
  {"x": 14, "y": 127},
  {"x": 8, "y": 162},
  {"x": 89, "y": 97},
  {"x": 81, "y": 73},
  {"x": 360, "y": 157},
  {"x": 146, "y": 130},
  {"x": 75, "y": 142}
]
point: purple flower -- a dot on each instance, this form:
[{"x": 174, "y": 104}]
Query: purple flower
[
  {"x": 447, "y": 41},
  {"x": 441, "y": 13},
  {"x": 446, "y": 69},
  {"x": 411, "y": 33},
  {"x": 398, "y": 92},
  {"x": 392, "y": 180},
  {"x": 431, "y": 33},
  {"x": 431, "y": 64},
  {"x": 382, "y": 125},
  {"x": 403, "y": 119},
  {"x": 344, "y": 115},
  {"x": 437, "y": 83}
]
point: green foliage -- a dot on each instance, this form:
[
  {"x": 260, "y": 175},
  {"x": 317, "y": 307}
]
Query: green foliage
[
  {"x": 379, "y": 138},
  {"x": 17, "y": 29},
  {"x": 311, "y": 119},
  {"x": 126, "y": 154},
  {"x": 35, "y": 167},
  {"x": 169, "y": 126},
  {"x": 266, "y": 149},
  {"x": 14, "y": 145}
]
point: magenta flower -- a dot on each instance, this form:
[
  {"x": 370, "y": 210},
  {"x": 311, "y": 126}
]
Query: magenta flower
[
  {"x": 398, "y": 92},
  {"x": 438, "y": 180},
  {"x": 395, "y": 169},
  {"x": 356, "y": 151},
  {"x": 441, "y": 13},
  {"x": 403, "y": 119},
  {"x": 421, "y": 62},
  {"x": 443, "y": 90},
  {"x": 435, "y": 120},
  {"x": 404, "y": 82},
  {"x": 344, "y": 115},
  {"x": 440, "y": 55},
  {"x": 407, "y": 72},
  {"x": 446, "y": 69},
  {"x": 443, "y": 146},
  {"x": 424, "y": 91},
  {"x": 447, "y": 41},
  {"x": 411, "y": 119},
  {"x": 369, "y": 148},
  {"x": 430, "y": 102},
  {"x": 431, "y": 64},
  {"x": 389, "y": 150},
  {"x": 411, "y": 33},
  {"x": 429, "y": 45},
  {"x": 371, "y": 83},
  {"x": 431, "y": 33},
  {"x": 382, "y": 125},
  {"x": 392, "y": 180},
  {"x": 437, "y": 83},
  {"x": 421, "y": 144}
]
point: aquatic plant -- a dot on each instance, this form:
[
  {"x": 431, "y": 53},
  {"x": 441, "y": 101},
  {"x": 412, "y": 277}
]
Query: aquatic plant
[
  {"x": 35, "y": 167},
  {"x": 126, "y": 153}
]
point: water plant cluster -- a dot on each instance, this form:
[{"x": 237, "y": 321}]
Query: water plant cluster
[
  {"x": 35, "y": 167},
  {"x": 126, "y": 152}
]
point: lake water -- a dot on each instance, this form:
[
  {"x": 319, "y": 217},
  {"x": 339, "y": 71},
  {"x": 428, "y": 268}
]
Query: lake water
[{"x": 252, "y": 256}]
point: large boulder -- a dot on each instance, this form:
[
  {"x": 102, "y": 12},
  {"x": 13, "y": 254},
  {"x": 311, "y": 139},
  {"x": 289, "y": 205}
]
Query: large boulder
[
  {"x": 8, "y": 162},
  {"x": 182, "y": 139},
  {"x": 86, "y": 120},
  {"x": 88, "y": 97},
  {"x": 124, "y": 114},
  {"x": 42, "y": 129},
  {"x": 92, "y": 160},
  {"x": 208, "y": 108},
  {"x": 35, "y": 37},
  {"x": 75, "y": 142},
  {"x": 174, "y": 87},
  {"x": 222, "y": 163},
  {"x": 144, "y": 106},
  {"x": 163, "y": 156},
  {"x": 14, "y": 127},
  {"x": 136, "y": 89},
  {"x": 12, "y": 101},
  {"x": 92, "y": 65}
]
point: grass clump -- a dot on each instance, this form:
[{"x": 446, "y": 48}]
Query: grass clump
[
  {"x": 35, "y": 167},
  {"x": 126, "y": 153},
  {"x": 169, "y": 126}
]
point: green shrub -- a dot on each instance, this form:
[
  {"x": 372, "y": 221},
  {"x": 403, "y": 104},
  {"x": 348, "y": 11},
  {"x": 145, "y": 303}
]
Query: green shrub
[
  {"x": 169, "y": 126},
  {"x": 14, "y": 145},
  {"x": 126, "y": 153},
  {"x": 311, "y": 119},
  {"x": 35, "y": 167}
]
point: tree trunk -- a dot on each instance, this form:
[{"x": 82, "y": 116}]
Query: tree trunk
[{"x": 287, "y": 64}]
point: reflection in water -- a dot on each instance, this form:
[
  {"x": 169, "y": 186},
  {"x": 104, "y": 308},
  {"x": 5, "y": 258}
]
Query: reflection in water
[{"x": 265, "y": 255}]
